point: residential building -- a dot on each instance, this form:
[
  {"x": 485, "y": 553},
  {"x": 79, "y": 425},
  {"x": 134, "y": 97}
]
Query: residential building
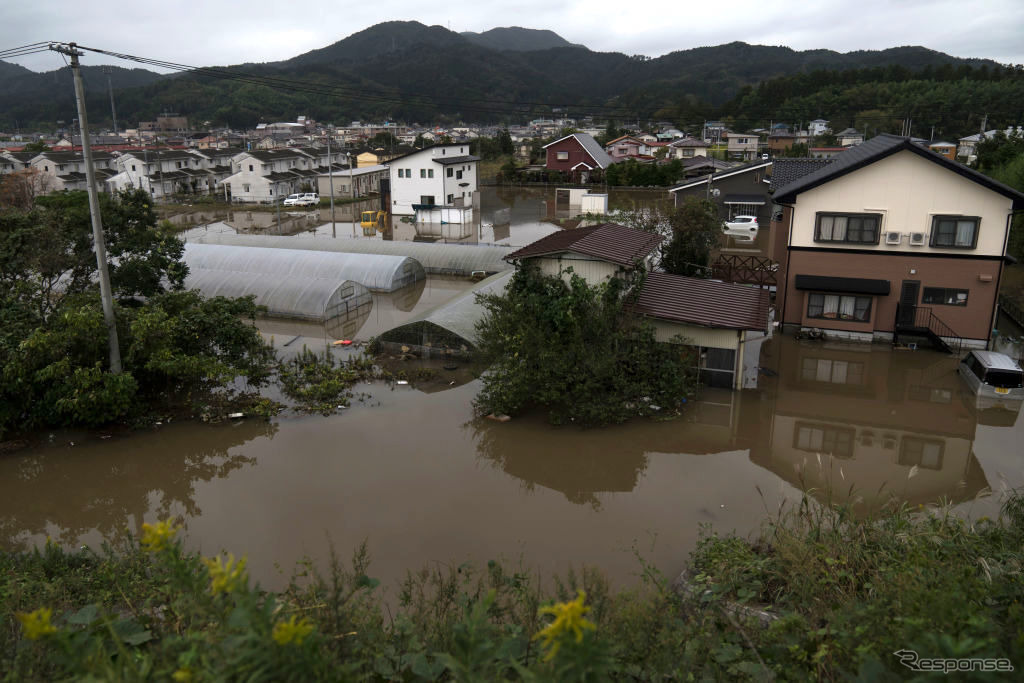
[
  {"x": 781, "y": 142},
  {"x": 850, "y": 137},
  {"x": 353, "y": 182},
  {"x": 738, "y": 191},
  {"x": 724, "y": 321},
  {"x": 818, "y": 127},
  {"x": 742, "y": 145},
  {"x": 890, "y": 238},
  {"x": 628, "y": 147},
  {"x": 946, "y": 149},
  {"x": 825, "y": 152},
  {"x": 67, "y": 169},
  {"x": 438, "y": 176},
  {"x": 268, "y": 175},
  {"x": 578, "y": 153},
  {"x": 966, "y": 149},
  {"x": 688, "y": 148}
]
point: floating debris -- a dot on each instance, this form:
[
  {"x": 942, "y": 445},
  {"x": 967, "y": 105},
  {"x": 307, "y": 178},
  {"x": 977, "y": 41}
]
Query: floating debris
[{"x": 498, "y": 418}]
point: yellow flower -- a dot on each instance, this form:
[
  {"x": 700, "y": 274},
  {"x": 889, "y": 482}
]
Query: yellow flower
[
  {"x": 569, "y": 620},
  {"x": 182, "y": 675},
  {"x": 225, "y": 575},
  {"x": 291, "y": 631},
  {"x": 37, "y": 624},
  {"x": 156, "y": 537}
]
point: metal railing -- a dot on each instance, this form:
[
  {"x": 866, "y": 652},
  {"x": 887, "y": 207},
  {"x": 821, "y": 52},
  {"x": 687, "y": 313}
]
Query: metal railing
[{"x": 921, "y": 318}]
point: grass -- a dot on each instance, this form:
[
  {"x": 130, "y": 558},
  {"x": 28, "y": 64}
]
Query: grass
[{"x": 819, "y": 594}]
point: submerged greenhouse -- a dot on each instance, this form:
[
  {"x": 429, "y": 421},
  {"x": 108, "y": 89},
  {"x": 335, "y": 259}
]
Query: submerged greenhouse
[
  {"x": 437, "y": 259},
  {"x": 376, "y": 272},
  {"x": 341, "y": 305},
  {"x": 448, "y": 328}
]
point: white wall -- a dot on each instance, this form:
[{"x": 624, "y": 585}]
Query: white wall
[
  {"x": 407, "y": 191},
  {"x": 907, "y": 191},
  {"x": 592, "y": 270}
]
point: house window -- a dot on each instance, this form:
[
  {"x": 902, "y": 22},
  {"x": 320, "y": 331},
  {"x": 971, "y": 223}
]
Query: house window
[
  {"x": 827, "y": 439},
  {"x": 451, "y": 199},
  {"x": 947, "y": 297},
  {"x": 458, "y": 175},
  {"x": 832, "y": 371},
  {"x": 427, "y": 199},
  {"x": 958, "y": 232},
  {"x": 133, "y": 167},
  {"x": 852, "y": 228},
  {"x": 451, "y": 172},
  {"x": 423, "y": 173},
  {"x": 430, "y": 173},
  {"x": 839, "y": 307},
  {"x": 925, "y": 453},
  {"x": 562, "y": 156},
  {"x": 245, "y": 188},
  {"x": 688, "y": 152},
  {"x": 250, "y": 168}
]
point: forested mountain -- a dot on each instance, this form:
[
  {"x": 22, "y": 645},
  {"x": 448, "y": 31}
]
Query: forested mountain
[
  {"x": 518, "y": 39},
  {"x": 411, "y": 72}
]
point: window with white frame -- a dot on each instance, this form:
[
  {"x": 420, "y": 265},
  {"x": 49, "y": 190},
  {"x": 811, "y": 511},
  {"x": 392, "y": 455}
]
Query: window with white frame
[
  {"x": 562, "y": 156},
  {"x": 825, "y": 439},
  {"x": 957, "y": 232},
  {"x": 839, "y": 307}
]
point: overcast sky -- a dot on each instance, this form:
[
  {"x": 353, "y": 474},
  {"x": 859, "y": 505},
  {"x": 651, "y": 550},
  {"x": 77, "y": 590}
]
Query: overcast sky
[{"x": 215, "y": 32}]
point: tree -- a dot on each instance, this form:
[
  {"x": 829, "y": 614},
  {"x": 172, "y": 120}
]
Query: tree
[
  {"x": 420, "y": 142},
  {"x": 20, "y": 189},
  {"x": 383, "y": 140},
  {"x": 505, "y": 141},
  {"x": 577, "y": 351},
  {"x": 36, "y": 147},
  {"x": 695, "y": 231}
]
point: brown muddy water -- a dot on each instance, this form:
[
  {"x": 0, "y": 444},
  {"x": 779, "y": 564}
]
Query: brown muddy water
[{"x": 413, "y": 473}]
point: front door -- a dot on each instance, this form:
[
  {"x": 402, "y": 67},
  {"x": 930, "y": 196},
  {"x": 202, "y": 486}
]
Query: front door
[{"x": 908, "y": 302}]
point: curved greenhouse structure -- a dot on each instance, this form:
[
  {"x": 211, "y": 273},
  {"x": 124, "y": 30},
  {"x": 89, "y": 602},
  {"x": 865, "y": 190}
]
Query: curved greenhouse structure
[
  {"x": 450, "y": 327},
  {"x": 341, "y": 305},
  {"x": 437, "y": 259},
  {"x": 376, "y": 272}
]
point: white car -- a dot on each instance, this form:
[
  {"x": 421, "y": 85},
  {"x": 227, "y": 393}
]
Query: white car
[
  {"x": 303, "y": 199},
  {"x": 741, "y": 228}
]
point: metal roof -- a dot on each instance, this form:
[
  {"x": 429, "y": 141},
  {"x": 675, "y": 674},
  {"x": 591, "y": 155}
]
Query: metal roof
[
  {"x": 706, "y": 303},
  {"x": 590, "y": 146},
  {"x": 446, "y": 161},
  {"x": 727, "y": 173},
  {"x": 786, "y": 170},
  {"x": 609, "y": 242},
  {"x": 878, "y": 148}
]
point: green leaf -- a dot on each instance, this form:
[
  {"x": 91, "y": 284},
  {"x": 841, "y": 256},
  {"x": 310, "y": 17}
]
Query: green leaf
[{"x": 84, "y": 616}]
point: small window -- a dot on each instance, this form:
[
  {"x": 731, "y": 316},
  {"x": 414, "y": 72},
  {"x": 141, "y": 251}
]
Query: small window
[
  {"x": 430, "y": 173},
  {"x": 839, "y": 307},
  {"x": 423, "y": 173},
  {"x": 427, "y": 199},
  {"x": 925, "y": 453},
  {"x": 562, "y": 156},
  {"x": 458, "y": 175},
  {"x": 451, "y": 199},
  {"x": 850, "y": 228},
  {"x": 450, "y": 172},
  {"x": 133, "y": 167},
  {"x": 824, "y": 439},
  {"x": 957, "y": 232},
  {"x": 245, "y": 188},
  {"x": 250, "y": 168},
  {"x": 944, "y": 296}
]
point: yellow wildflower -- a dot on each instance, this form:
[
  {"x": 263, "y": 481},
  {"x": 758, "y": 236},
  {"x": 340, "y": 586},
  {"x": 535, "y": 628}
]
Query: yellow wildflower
[
  {"x": 182, "y": 675},
  {"x": 291, "y": 631},
  {"x": 568, "y": 620},
  {"x": 225, "y": 575},
  {"x": 37, "y": 624},
  {"x": 156, "y": 537}
]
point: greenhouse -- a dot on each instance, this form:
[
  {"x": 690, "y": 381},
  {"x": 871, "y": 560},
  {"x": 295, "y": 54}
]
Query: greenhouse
[
  {"x": 376, "y": 272},
  {"x": 437, "y": 259},
  {"x": 341, "y": 305},
  {"x": 448, "y": 328}
]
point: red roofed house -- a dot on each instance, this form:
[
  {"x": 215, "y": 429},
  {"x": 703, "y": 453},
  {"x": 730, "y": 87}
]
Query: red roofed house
[
  {"x": 576, "y": 153},
  {"x": 725, "y": 321}
]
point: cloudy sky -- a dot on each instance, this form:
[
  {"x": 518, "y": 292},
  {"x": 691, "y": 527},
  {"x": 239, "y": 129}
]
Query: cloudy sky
[{"x": 215, "y": 32}]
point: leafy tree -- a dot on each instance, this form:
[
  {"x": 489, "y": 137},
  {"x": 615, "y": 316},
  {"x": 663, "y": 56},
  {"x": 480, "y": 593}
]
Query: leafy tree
[
  {"x": 999, "y": 151},
  {"x": 695, "y": 230},
  {"x": 420, "y": 142},
  {"x": 36, "y": 147},
  {"x": 505, "y": 141},
  {"x": 383, "y": 140},
  {"x": 577, "y": 351}
]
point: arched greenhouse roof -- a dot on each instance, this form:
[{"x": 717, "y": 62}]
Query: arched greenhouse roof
[
  {"x": 437, "y": 259},
  {"x": 452, "y": 323},
  {"x": 331, "y": 302},
  {"x": 376, "y": 272}
]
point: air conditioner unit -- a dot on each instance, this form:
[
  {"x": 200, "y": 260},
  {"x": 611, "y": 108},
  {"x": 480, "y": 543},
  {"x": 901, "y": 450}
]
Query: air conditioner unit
[
  {"x": 917, "y": 239},
  {"x": 893, "y": 237}
]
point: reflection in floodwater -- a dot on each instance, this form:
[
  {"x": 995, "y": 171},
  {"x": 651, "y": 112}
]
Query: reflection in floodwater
[
  {"x": 98, "y": 485},
  {"x": 867, "y": 425}
]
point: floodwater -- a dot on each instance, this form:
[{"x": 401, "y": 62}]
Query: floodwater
[
  {"x": 412, "y": 473},
  {"x": 533, "y": 214}
]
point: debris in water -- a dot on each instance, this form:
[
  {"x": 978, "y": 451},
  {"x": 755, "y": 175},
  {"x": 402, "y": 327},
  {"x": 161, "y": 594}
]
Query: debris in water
[
  {"x": 343, "y": 342},
  {"x": 451, "y": 383},
  {"x": 235, "y": 416},
  {"x": 402, "y": 381},
  {"x": 298, "y": 336},
  {"x": 498, "y": 418},
  {"x": 405, "y": 349}
]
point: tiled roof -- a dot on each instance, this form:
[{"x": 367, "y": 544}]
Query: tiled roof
[
  {"x": 690, "y": 142},
  {"x": 786, "y": 170},
  {"x": 703, "y": 302},
  {"x": 878, "y": 148},
  {"x": 609, "y": 242}
]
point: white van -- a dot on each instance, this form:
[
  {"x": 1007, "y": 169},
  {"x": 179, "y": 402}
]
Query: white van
[{"x": 995, "y": 378}]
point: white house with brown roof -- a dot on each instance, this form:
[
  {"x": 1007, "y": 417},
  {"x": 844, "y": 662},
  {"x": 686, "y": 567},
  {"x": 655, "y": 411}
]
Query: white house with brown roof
[{"x": 688, "y": 148}]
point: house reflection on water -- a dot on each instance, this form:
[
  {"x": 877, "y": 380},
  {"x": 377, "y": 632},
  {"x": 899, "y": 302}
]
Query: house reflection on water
[{"x": 850, "y": 424}]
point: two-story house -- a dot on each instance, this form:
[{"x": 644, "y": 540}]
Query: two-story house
[
  {"x": 742, "y": 145},
  {"x": 850, "y": 137},
  {"x": 890, "y": 238},
  {"x": 628, "y": 147},
  {"x": 66, "y": 170},
  {"x": 817, "y": 127},
  {"x": 438, "y": 176},
  {"x": 578, "y": 153},
  {"x": 688, "y": 148},
  {"x": 737, "y": 191},
  {"x": 270, "y": 174}
]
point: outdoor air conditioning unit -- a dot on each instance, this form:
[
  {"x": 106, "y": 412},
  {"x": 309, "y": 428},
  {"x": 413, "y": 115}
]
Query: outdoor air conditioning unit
[
  {"x": 917, "y": 239},
  {"x": 893, "y": 237}
]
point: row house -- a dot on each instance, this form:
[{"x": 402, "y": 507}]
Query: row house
[
  {"x": 267, "y": 175},
  {"x": 163, "y": 173},
  {"x": 892, "y": 239},
  {"x": 66, "y": 170}
]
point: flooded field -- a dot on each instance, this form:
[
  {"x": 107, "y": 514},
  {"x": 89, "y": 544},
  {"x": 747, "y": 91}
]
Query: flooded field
[{"x": 412, "y": 473}]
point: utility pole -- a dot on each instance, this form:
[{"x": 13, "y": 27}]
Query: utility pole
[
  {"x": 106, "y": 294},
  {"x": 110, "y": 89},
  {"x": 330, "y": 177}
]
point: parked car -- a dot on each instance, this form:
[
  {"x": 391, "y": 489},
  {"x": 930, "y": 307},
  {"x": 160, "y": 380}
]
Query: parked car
[
  {"x": 291, "y": 200},
  {"x": 994, "y": 378},
  {"x": 302, "y": 199},
  {"x": 741, "y": 227}
]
